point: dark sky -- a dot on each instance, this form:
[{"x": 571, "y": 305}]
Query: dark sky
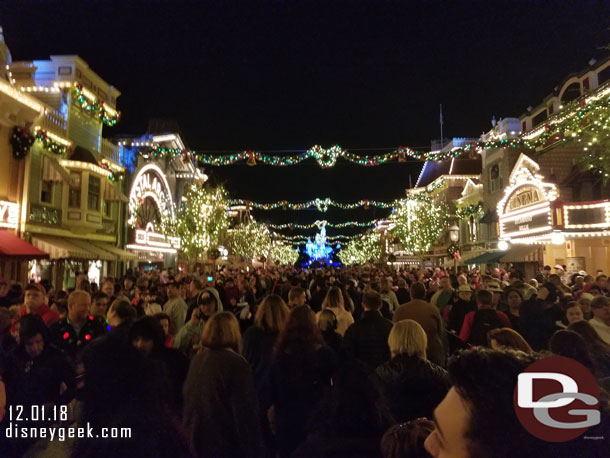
[{"x": 276, "y": 75}]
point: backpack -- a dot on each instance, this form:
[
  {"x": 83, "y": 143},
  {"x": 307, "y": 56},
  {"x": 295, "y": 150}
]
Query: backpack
[{"x": 484, "y": 321}]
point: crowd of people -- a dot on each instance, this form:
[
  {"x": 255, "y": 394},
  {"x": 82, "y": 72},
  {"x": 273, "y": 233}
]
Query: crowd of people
[{"x": 330, "y": 362}]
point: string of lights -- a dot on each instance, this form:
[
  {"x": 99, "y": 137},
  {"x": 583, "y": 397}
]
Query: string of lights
[
  {"x": 322, "y": 205},
  {"x": 320, "y": 223}
]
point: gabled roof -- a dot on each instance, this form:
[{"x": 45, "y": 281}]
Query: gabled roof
[{"x": 456, "y": 166}]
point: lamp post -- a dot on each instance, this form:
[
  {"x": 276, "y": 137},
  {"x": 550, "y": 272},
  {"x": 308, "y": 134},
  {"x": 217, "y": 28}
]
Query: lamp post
[{"x": 454, "y": 236}]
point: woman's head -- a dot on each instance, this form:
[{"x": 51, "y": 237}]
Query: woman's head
[
  {"x": 503, "y": 338},
  {"x": 300, "y": 332},
  {"x": 574, "y": 312},
  {"x": 33, "y": 335},
  {"x": 120, "y": 312},
  {"x": 513, "y": 298},
  {"x": 571, "y": 345},
  {"x": 408, "y": 337},
  {"x": 271, "y": 314},
  {"x": 221, "y": 332},
  {"x": 406, "y": 440},
  {"x": 327, "y": 320},
  {"x": 333, "y": 299},
  {"x": 147, "y": 335}
]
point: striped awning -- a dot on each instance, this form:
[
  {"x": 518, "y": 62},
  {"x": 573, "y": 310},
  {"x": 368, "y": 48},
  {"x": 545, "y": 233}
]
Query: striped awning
[
  {"x": 99, "y": 253},
  {"x": 523, "y": 253},
  {"x": 118, "y": 252},
  {"x": 60, "y": 248},
  {"x": 52, "y": 170},
  {"x": 112, "y": 193}
]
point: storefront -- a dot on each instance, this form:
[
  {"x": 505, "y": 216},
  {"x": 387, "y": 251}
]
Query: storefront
[
  {"x": 150, "y": 200},
  {"x": 534, "y": 221}
]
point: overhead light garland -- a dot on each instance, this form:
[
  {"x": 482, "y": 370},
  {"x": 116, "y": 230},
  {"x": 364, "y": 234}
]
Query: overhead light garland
[
  {"x": 319, "y": 223},
  {"x": 321, "y": 204},
  {"x": 333, "y": 238}
]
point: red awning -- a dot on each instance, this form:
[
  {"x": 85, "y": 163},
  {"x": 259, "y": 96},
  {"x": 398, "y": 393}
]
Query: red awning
[{"x": 12, "y": 246}]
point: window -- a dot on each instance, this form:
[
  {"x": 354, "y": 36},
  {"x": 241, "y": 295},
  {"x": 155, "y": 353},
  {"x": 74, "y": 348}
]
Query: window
[
  {"x": 539, "y": 118},
  {"x": 495, "y": 180},
  {"x": 64, "y": 70},
  {"x": 74, "y": 193},
  {"x": 107, "y": 209},
  {"x": 93, "y": 201},
  {"x": 46, "y": 192}
]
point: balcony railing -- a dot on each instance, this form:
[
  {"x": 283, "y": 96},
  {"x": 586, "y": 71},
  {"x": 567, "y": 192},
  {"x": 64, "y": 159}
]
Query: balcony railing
[
  {"x": 44, "y": 215},
  {"x": 109, "y": 151},
  {"x": 53, "y": 121}
]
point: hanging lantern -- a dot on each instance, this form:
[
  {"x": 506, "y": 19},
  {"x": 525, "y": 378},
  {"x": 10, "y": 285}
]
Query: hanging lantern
[{"x": 251, "y": 159}]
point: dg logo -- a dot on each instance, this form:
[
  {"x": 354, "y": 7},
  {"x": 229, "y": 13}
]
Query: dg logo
[{"x": 557, "y": 399}]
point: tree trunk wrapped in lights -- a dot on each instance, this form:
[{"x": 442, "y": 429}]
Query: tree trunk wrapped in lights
[
  {"x": 418, "y": 224},
  {"x": 201, "y": 222}
]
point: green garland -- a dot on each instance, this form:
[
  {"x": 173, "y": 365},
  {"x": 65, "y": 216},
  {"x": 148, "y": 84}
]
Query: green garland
[
  {"x": 95, "y": 109},
  {"x": 471, "y": 210},
  {"x": 49, "y": 144}
]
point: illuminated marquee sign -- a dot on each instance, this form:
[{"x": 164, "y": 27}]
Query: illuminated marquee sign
[
  {"x": 9, "y": 214},
  {"x": 150, "y": 182},
  {"x": 588, "y": 215},
  {"x": 525, "y": 211}
]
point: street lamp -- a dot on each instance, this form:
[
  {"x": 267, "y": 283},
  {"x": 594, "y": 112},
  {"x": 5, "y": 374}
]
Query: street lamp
[{"x": 454, "y": 236}]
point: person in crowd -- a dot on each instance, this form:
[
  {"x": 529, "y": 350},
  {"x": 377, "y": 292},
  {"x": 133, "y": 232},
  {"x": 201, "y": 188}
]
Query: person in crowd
[
  {"x": 194, "y": 289},
  {"x": 351, "y": 418},
  {"x": 175, "y": 307},
  {"x": 6, "y": 299},
  {"x": 187, "y": 339},
  {"x": 477, "y": 417},
  {"x": 572, "y": 313},
  {"x": 34, "y": 301},
  {"x": 328, "y": 323},
  {"x": 387, "y": 293},
  {"x": 571, "y": 345},
  {"x": 128, "y": 286},
  {"x": 34, "y": 374},
  {"x": 402, "y": 293},
  {"x": 413, "y": 385},
  {"x": 478, "y": 324},
  {"x": 119, "y": 319},
  {"x": 259, "y": 339},
  {"x": 601, "y": 317},
  {"x": 599, "y": 349},
  {"x": 146, "y": 335},
  {"x": 507, "y": 338},
  {"x": 602, "y": 282},
  {"x": 302, "y": 366},
  {"x": 496, "y": 288},
  {"x": 334, "y": 302},
  {"x": 442, "y": 297},
  {"x": 429, "y": 318},
  {"x": 318, "y": 293},
  {"x": 367, "y": 338},
  {"x": 164, "y": 320},
  {"x": 406, "y": 440},
  {"x": 513, "y": 298},
  {"x": 460, "y": 308},
  {"x": 121, "y": 389},
  {"x": 296, "y": 297},
  {"x": 538, "y": 316},
  {"x": 78, "y": 328},
  {"x": 585, "y": 300},
  {"x": 108, "y": 288},
  {"x": 99, "y": 305},
  {"x": 220, "y": 401},
  {"x": 230, "y": 296}
]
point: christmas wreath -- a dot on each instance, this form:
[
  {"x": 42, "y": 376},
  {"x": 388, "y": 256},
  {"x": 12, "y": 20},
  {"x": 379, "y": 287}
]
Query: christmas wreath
[{"x": 21, "y": 142}]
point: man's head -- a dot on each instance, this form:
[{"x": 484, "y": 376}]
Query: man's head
[
  {"x": 445, "y": 283},
  {"x": 477, "y": 417},
  {"x": 496, "y": 290},
  {"x": 296, "y": 296},
  {"x": 601, "y": 309},
  {"x": 163, "y": 319},
  {"x": 128, "y": 283},
  {"x": 465, "y": 292},
  {"x": 173, "y": 289},
  {"x": 34, "y": 297},
  {"x": 194, "y": 287},
  {"x": 108, "y": 288},
  {"x": 602, "y": 281},
  {"x": 33, "y": 335},
  {"x": 418, "y": 291},
  {"x": 79, "y": 303},
  {"x": 559, "y": 269},
  {"x": 371, "y": 300},
  {"x": 484, "y": 298},
  {"x": 207, "y": 304},
  {"x": 99, "y": 305}
]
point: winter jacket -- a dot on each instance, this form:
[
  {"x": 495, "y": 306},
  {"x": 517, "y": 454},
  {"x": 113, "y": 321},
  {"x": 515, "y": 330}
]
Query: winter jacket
[
  {"x": 367, "y": 338},
  {"x": 413, "y": 386}
]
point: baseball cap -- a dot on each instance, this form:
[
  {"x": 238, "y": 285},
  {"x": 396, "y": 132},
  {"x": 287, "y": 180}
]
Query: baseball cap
[
  {"x": 35, "y": 286},
  {"x": 466, "y": 288},
  {"x": 582, "y": 273},
  {"x": 559, "y": 266}
]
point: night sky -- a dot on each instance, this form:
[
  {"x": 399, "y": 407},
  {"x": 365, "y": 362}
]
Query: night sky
[{"x": 286, "y": 75}]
